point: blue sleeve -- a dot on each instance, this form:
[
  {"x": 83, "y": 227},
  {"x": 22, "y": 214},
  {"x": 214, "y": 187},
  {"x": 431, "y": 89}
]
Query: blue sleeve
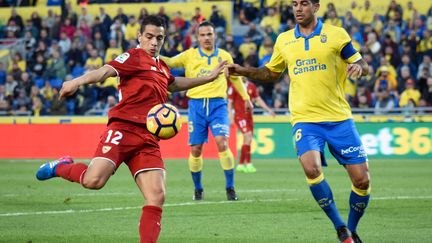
[{"x": 348, "y": 51}]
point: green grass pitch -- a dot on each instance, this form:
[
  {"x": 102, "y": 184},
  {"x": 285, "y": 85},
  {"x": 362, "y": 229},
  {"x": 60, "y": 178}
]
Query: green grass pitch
[{"x": 275, "y": 205}]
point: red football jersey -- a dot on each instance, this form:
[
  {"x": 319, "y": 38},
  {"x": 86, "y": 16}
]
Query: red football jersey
[
  {"x": 143, "y": 84},
  {"x": 238, "y": 102}
]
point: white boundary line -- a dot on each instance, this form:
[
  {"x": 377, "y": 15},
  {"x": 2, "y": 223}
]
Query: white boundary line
[{"x": 187, "y": 204}]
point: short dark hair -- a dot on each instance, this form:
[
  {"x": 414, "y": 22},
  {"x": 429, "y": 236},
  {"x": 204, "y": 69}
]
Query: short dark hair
[
  {"x": 152, "y": 20},
  {"x": 315, "y": 1},
  {"x": 206, "y": 23}
]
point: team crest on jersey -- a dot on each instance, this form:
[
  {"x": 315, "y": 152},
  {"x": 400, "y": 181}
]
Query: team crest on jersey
[
  {"x": 219, "y": 59},
  {"x": 323, "y": 38},
  {"x": 122, "y": 57},
  {"x": 106, "y": 149}
]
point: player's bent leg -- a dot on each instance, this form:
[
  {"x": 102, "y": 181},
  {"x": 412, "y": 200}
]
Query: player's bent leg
[
  {"x": 98, "y": 173},
  {"x": 319, "y": 187},
  {"x": 195, "y": 162},
  {"x": 360, "y": 194},
  {"x": 152, "y": 186},
  {"x": 48, "y": 170}
]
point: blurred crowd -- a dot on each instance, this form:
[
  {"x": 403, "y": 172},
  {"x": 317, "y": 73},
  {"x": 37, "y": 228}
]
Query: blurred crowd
[{"x": 397, "y": 46}]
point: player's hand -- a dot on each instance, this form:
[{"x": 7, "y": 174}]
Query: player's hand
[
  {"x": 272, "y": 113},
  {"x": 233, "y": 69},
  {"x": 248, "y": 106},
  {"x": 69, "y": 88},
  {"x": 217, "y": 70},
  {"x": 354, "y": 71}
]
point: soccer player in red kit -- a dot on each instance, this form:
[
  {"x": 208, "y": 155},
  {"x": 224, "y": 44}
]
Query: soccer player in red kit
[
  {"x": 244, "y": 121},
  {"x": 144, "y": 81}
]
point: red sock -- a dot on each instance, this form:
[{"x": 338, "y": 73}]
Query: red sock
[
  {"x": 247, "y": 153},
  {"x": 71, "y": 172},
  {"x": 150, "y": 226},
  {"x": 243, "y": 154}
]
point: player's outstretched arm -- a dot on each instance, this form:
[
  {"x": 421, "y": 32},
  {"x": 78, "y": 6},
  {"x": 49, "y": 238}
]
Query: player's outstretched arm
[
  {"x": 260, "y": 74},
  {"x": 182, "y": 83},
  {"x": 98, "y": 75},
  {"x": 261, "y": 103}
]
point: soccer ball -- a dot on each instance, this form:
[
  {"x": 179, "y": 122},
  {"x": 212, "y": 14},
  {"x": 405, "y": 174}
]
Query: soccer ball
[{"x": 164, "y": 121}]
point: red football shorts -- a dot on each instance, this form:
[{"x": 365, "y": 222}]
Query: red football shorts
[
  {"x": 244, "y": 123},
  {"x": 132, "y": 144}
]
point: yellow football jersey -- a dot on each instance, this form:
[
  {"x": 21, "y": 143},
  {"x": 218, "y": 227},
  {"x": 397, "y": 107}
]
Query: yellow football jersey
[
  {"x": 317, "y": 67},
  {"x": 198, "y": 63}
]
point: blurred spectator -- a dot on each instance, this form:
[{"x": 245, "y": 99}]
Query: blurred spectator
[
  {"x": 393, "y": 11},
  {"x": 10, "y": 85},
  {"x": 377, "y": 24},
  {"x": 58, "y": 106},
  {"x": 384, "y": 102},
  {"x": 4, "y": 100},
  {"x": 94, "y": 62},
  {"x": 366, "y": 15},
  {"x": 272, "y": 19},
  {"x": 85, "y": 17},
  {"x": 22, "y": 102},
  {"x": 363, "y": 97},
  {"x": 409, "y": 94},
  {"x": 115, "y": 27},
  {"x": 16, "y": 19},
  {"x": 198, "y": 17},
  {"x": 218, "y": 20},
  {"x": 105, "y": 19},
  {"x": 99, "y": 43},
  {"x": 30, "y": 42},
  {"x": 373, "y": 44},
  {"x": 64, "y": 43},
  {"x": 265, "y": 51},
  {"x": 68, "y": 28},
  {"x": 333, "y": 19},
  {"x": 408, "y": 13},
  {"x": 132, "y": 29},
  {"x": 143, "y": 13},
  {"x": 248, "y": 47},
  {"x": 56, "y": 68},
  {"x": 426, "y": 98},
  {"x": 403, "y": 78},
  {"x": 425, "y": 67},
  {"x": 36, "y": 20},
  {"x": 178, "y": 21},
  {"x": 330, "y": 7},
  {"x": 38, "y": 108},
  {"x": 393, "y": 31},
  {"x": 112, "y": 51},
  {"x": 2, "y": 74},
  {"x": 350, "y": 21},
  {"x": 121, "y": 16},
  {"x": 38, "y": 68},
  {"x": 110, "y": 103},
  {"x": 75, "y": 55},
  {"x": 255, "y": 34},
  {"x": 385, "y": 80}
]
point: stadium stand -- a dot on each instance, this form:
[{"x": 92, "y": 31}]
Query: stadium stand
[{"x": 68, "y": 41}]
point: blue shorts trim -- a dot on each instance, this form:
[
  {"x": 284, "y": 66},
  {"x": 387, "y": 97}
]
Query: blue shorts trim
[
  {"x": 341, "y": 137},
  {"x": 204, "y": 114}
]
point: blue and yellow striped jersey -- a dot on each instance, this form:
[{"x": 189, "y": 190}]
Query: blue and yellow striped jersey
[
  {"x": 198, "y": 63},
  {"x": 317, "y": 68}
]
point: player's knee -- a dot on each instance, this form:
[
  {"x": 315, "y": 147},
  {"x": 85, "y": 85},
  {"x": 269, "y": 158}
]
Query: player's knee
[
  {"x": 156, "y": 198},
  {"x": 361, "y": 183},
  {"x": 94, "y": 183},
  {"x": 312, "y": 172},
  {"x": 196, "y": 151},
  {"x": 247, "y": 138}
]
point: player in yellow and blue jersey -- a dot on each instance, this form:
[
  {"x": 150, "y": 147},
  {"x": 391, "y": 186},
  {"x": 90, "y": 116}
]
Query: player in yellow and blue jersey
[
  {"x": 208, "y": 106},
  {"x": 318, "y": 58}
]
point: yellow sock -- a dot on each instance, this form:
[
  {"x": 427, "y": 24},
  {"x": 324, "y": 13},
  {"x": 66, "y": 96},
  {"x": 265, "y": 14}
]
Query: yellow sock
[
  {"x": 226, "y": 159},
  {"x": 315, "y": 180},
  {"x": 195, "y": 163}
]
